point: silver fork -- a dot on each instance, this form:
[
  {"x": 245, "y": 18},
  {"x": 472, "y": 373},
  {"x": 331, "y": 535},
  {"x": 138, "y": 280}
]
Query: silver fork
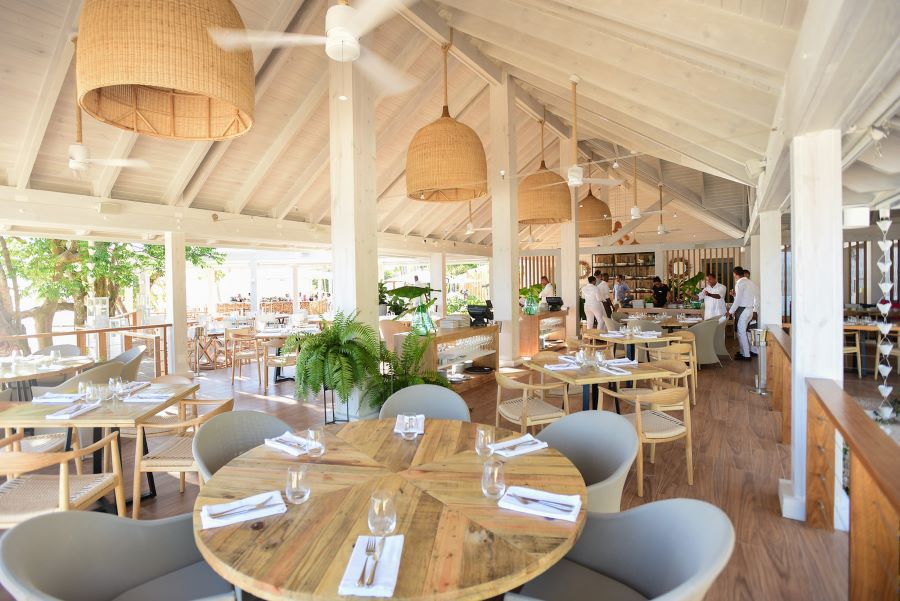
[
  {"x": 370, "y": 552},
  {"x": 243, "y": 509},
  {"x": 550, "y": 504}
]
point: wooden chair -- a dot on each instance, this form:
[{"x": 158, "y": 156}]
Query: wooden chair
[
  {"x": 25, "y": 495},
  {"x": 852, "y": 347},
  {"x": 683, "y": 352},
  {"x": 530, "y": 409},
  {"x": 895, "y": 352},
  {"x": 657, "y": 425},
  {"x": 689, "y": 338},
  {"x": 274, "y": 360},
  {"x": 242, "y": 348},
  {"x": 173, "y": 453}
]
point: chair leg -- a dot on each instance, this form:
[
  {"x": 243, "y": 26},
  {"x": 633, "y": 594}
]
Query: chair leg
[
  {"x": 136, "y": 487},
  {"x": 653, "y": 452},
  {"x": 232, "y": 372},
  {"x": 858, "y": 363},
  {"x": 640, "y": 469},
  {"x": 181, "y": 482},
  {"x": 689, "y": 456}
]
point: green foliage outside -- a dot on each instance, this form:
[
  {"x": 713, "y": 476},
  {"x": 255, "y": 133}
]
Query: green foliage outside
[
  {"x": 401, "y": 299},
  {"x": 401, "y": 370},
  {"x": 457, "y": 302},
  {"x": 532, "y": 292}
]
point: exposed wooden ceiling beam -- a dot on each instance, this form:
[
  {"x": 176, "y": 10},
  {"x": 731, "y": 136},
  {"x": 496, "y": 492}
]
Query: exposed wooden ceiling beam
[
  {"x": 103, "y": 185},
  {"x": 60, "y": 59}
]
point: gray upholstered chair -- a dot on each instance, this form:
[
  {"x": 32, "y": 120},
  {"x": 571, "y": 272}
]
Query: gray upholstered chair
[
  {"x": 131, "y": 360},
  {"x": 435, "y": 402},
  {"x": 228, "y": 435},
  {"x": 611, "y": 324},
  {"x": 64, "y": 350},
  {"x": 88, "y": 556},
  {"x": 602, "y": 445},
  {"x": 705, "y": 335},
  {"x": 96, "y": 375},
  {"x": 719, "y": 340},
  {"x": 670, "y": 550}
]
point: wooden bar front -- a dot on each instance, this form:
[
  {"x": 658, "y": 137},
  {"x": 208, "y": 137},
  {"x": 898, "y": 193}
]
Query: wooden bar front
[
  {"x": 778, "y": 376},
  {"x": 530, "y": 331}
]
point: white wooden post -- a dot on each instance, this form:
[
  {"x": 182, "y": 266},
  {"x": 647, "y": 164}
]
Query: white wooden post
[
  {"x": 817, "y": 317},
  {"x": 295, "y": 293},
  {"x": 753, "y": 262},
  {"x": 176, "y": 303},
  {"x": 438, "y": 265},
  {"x": 567, "y": 286},
  {"x": 659, "y": 257},
  {"x": 502, "y": 171},
  {"x": 354, "y": 235},
  {"x": 254, "y": 287},
  {"x": 770, "y": 271}
]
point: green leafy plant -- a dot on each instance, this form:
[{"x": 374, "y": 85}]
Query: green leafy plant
[
  {"x": 457, "y": 303},
  {"x": 382, "y": 293},
  {"x": 401, "y": 370},
  {"x": 686, "y": 288},
  {"x": 402, "y": 297},
  {"x": 532, "y": 291},
  {"x": 342, "y": 357}
]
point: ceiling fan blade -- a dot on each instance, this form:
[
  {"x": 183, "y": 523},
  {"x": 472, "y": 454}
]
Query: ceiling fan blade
[
  {"x": 372, "y": 13},
  {"x": 387, "y": 79},
  {"x": 130, "y": 163},
  {"x": 242, "y": 39},
  {"x": 562, "y": 183},
  {"x": 602, "y": 181}
]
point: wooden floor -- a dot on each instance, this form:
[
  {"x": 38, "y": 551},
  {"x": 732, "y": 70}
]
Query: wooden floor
[{"x": 738, "y": 462}]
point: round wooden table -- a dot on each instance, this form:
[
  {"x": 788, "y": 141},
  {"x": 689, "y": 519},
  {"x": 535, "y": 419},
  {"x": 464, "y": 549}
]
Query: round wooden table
[
  {"x": 30, "y": 369},
  {"x": 458, "y": 543}
]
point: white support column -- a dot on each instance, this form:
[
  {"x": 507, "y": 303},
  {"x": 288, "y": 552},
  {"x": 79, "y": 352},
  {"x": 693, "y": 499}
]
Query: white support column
[
  {"x": 770, "y": 272},
  {"x": 438, "y": 264},
  {"x": 753, "y": 263},
  {"x": 660, "y": 267},
  {"x": 295, "y": 292},
  {"x": 254, "y": 287},
  {"x": 176, "y": 303},
  {"x": 504, "y": 216},
  {"x": 567, "y": 286},
  {"x": 816, "y": 332}
]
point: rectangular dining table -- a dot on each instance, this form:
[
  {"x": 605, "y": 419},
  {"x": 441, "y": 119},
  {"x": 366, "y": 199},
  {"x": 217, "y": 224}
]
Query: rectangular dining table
[
  {"x": 589, "y": 377},
  {"x": 110, "y": 414},
  {"x": 629, "y": 340}
]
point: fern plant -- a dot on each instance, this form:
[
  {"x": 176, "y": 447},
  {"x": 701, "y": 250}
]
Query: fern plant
[
  {"x": 342, "y": 357},
  {"x": 401, "y": 370}
]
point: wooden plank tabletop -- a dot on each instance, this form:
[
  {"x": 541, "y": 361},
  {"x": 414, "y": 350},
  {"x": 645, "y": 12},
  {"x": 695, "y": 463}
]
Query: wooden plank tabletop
[
  {"x": 628, "y": 339},
  {"x": 590, "y": 375},
  {"x": 111, "y": 414},
  {"x": 31, "y": 369},
  {"x": 458, "y": 544}
]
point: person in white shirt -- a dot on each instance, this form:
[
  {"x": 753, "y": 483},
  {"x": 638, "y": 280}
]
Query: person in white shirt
[
  {"x": 548, "y": 289},
  {"x": 742, "y": 310},
  {"x": 713, "y": 297},
  {"x": 753, "y": 291},
  {"x": 603, "y": 291},
  {"x": 593, "y": 307}
]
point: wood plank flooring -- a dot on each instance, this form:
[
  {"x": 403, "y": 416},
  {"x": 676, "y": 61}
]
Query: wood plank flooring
[{"x": 737, "y": 464}]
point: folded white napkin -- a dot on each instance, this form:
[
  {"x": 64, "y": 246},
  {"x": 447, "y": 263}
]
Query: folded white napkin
[
  {"x": 616, "y": 371},
  {"x": 72, "y": 411},
  {"x": 57, "y": 397},
  {"x": 622, "y": 361},
  {"x": 560, "y": 366},
  {"x": 420, "y": 425},
  {"x": 647, "y": 335},
  {"x": 614, "y": 334},
  {"x": 290, "y": 443},
  {"x": 568, "y": 359},
  {"x": 148, "y": 397},
  {"x": 529, "y": 444},
  {"x": 386, "y": 571},
  {"x": 272, "y": 504},
  {"x": 511, "y": 502}
]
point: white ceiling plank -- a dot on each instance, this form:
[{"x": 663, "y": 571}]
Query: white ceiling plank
[
  {"x": 104, "y": 183},
  {"x": 314, "y": 169},
  {"x": 59, "y": 62}
]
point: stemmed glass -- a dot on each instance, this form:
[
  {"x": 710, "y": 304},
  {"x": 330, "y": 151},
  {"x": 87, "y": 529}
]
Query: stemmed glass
[
  {"x": 484, "y": 438},
  {"x": 315, "y": 445},
  {"x": 493, "y": 483},
  {"x": 382, "y": 513},
  {"x": 296, "y": 488},
  {"x": 408, "y": 426}
]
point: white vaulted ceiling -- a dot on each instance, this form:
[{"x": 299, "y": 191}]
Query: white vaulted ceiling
[{"x": 690, "y": 86}]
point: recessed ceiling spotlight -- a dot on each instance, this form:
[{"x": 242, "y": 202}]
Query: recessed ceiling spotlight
[
  {"x": 615, "y": 164},
  {"x": 343, "y": 97}
]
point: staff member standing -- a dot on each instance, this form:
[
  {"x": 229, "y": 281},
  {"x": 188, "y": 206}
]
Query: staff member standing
[
  {"x": 620, "y": 290},
  {"x": 592, "y": 303},
  {"x": 741, "y": 310},
  {"x": 713, "y": 297},
  {"x": 660, "y": 292},
  {"x": 605, "y": 293},
  {"x": 753, "y": 291},
  {"x": 548, "y": 289}
]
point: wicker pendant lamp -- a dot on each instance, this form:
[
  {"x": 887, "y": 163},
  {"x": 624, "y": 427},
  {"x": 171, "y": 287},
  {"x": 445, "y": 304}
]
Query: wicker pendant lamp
[
  {"x": 594, "y": 216},
  {"x": 544, "y": 196},
  {"x": 445, "y": 161},
  {"x": 152, "y": 68}
]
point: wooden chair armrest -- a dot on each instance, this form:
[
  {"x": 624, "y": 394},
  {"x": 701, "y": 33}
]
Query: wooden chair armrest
[
  {"x": 103, "y": 442},
  {"x": 192, "y": 422},
  {"x": 631, "y": 398},
  {"x": 11, "y": 439},
  {"x": 545, "y": 386}
]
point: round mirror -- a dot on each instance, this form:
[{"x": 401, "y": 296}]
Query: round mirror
[
  {"x": 679, "y": 267},
  {"x": 584, "y": 270}
]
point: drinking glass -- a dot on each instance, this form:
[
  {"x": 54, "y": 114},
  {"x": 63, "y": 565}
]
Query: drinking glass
[
  {"x": 54, "y": 356},
  {"x": 484, "y": 438},
  {"x": 297, "y": 489},
  {"x": 493, "y": 484},
  {"x": 382, "y": 513},
  {"x": 408, "y": 426},
  {"x": 315, "y": 442}
]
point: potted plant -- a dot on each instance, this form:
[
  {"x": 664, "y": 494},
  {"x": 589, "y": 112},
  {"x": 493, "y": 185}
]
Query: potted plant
[
  {"x": 648, "y": 301},
  {"x": 531, "y": 294},
  {"x": 382, "y": 299},
  {"x": 401, "y": 370},
  {"x": 342, "y": 358},
  {"x": 421, "y": 322}
]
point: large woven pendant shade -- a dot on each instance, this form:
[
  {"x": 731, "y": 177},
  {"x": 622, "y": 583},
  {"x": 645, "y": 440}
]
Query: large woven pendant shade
[
  {"x": 150, "y": 66},
  {"x": 445, "y": 161},
  {"x": 544, "y": 196},
  {"x": 593, "y": 218}
]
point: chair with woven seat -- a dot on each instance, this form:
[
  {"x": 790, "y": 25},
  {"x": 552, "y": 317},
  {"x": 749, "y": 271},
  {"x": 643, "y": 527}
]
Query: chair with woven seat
[
  {"x": 642, "y": 350},
  {"x": 242, "y": 348},
  {"x": 528, "y": 410},
  {"x": 670, "y": 550},
  {"x": 103, "y": 557},
  {"x": 430, "y": 400},
  {"x": 174, "y": 452},
  {"x": 681, "y": 352},
  {"x": 274, "y": 360},
  {"x": 27, "y": 494},
  {"x": 602, "y": 445},
  {"x": 657, "y": 425},
  {"x": 230, "y": 434},
  {"x": 688, "y": 338},
  {"x": 853, "y": 348}
]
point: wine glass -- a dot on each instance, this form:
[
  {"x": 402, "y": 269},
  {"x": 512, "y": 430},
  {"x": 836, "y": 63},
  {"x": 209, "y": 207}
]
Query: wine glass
[
  {"x": 484, "y": 438},
  {"x": 493, "y": 484},
  {"x": 408, "y": 426},
  {"x": 382, "y": 513},
  {"x": 54, "y": 357},
  {"x": 296, "y": 488},
  {"x": 315, "y": 445}
]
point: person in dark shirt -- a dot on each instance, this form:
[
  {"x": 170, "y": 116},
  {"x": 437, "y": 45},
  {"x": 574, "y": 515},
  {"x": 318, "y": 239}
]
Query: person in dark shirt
[{"x": 660, "y": 293}]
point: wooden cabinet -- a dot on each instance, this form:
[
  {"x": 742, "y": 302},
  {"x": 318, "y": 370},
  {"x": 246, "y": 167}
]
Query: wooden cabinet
[{"x": 638, "y": 269}]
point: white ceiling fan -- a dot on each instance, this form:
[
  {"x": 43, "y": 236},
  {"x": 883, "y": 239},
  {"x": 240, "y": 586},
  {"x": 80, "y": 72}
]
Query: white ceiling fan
[
  {"x": 661, "y": 229},
  {"x": 344, "y": 25},
  {"x": 80, "y": 160},
  {"x": 470, "y": 225},
  {"x": 531, "y": 239}
]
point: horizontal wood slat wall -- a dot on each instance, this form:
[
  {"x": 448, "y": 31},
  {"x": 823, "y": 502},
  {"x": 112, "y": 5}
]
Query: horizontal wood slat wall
[
  {"x": 719, "y": 261},
  {"x": 531, "y": 269}
]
